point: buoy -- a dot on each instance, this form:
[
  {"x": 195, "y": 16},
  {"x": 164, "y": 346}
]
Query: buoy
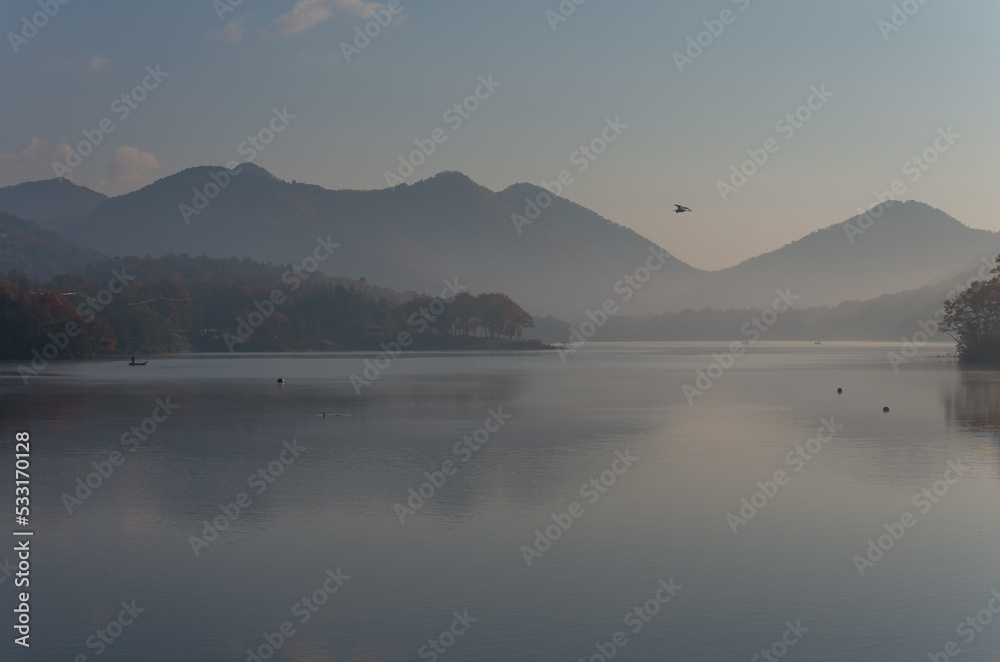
[
  {"x": 281, "y": 380},
  {"x": 840, "y": 391},
  {"x": 885, "y": 410}
]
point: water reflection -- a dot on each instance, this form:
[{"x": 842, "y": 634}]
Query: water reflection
[
  {"x": 973, "y": 403},
  {"x": 333, "y": 507}
]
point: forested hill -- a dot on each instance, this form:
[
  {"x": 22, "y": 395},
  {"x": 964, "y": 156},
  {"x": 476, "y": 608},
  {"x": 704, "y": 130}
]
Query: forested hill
[
  {"x": 42, "y": 253},
  {"x": 178, "y": 304},
  {"x": 188, "y": 270}
]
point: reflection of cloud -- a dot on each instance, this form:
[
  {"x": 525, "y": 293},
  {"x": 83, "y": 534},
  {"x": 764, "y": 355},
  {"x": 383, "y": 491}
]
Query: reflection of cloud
[
  {"x": 30, "y": 163},
  {"x": 98, "y": 62},
  {"x": 130, "y": 168},
  {"x": 231, "y": 31},
  {"x": 307, "y": 13}
]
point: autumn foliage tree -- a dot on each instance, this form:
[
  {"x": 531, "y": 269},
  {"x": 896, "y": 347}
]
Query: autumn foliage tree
[{"x": 31, "y": 320}]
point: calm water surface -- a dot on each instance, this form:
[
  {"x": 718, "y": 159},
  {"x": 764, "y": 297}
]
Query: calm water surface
[{"x": 662, "y": 518}]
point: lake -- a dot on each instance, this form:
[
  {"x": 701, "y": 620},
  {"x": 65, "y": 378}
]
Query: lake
[{"x": 559, "y": 511}]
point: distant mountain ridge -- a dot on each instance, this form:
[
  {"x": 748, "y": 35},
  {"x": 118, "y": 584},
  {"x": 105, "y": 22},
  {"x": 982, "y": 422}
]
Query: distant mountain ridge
[
  {"x": 407, "y": 237},
  {"x": 53, "y": 203},
  {"x": 898, "y": 317},
  {"x": 568, "y": 260},
  {"x": 909, "y": 245}
]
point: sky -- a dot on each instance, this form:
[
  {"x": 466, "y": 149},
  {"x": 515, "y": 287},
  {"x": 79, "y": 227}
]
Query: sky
[{"x": 694, "y": 89}]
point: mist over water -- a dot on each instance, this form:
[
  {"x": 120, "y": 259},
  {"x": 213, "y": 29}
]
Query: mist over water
[{"x": 661, "y": 516}]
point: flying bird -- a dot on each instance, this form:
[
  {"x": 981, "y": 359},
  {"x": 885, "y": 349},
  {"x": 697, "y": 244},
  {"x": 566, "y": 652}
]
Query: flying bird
[{"x": 681, "y": 209}]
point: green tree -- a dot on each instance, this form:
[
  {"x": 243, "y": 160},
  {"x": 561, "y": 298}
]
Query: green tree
[{"x": 972, "y": 317}]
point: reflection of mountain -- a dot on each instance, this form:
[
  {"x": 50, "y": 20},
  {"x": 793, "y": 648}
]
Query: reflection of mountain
[{"x": 973, "y": 403}]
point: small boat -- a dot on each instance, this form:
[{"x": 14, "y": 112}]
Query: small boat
[
  {"x": 138, "y": 362},
  {"x": 818, "y": 342}
]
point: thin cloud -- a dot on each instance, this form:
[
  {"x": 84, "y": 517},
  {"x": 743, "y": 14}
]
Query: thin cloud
[
  {"x": 361, "y": 8},
  {"x": 98, "y": 62},
  {"x": 307, "y": 13},
  {"x": 30, "y": 163},
  {"x": 232, "y": 31},
  {"x": 130, "y": 168}
]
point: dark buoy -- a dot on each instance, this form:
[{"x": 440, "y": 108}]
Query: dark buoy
[
  {"x": 840, "y": 391},
  {"x": 281, "y": 380},
  {"x": 885, "y": 410}
]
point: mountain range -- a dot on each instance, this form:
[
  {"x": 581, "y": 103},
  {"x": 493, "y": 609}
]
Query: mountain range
[{"x": 548, "y": 253}]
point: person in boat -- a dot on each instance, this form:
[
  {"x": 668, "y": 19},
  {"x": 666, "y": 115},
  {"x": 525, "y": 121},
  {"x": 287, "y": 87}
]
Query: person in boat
[{"x": 133, "y": 359}]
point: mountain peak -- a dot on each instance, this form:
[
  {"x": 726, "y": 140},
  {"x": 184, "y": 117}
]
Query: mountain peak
[
  {"x": 522, "y": 190},
  {"x": 205, "y": 171},
  {"x": 911, "y": 214},
  {"x": 52, "y": 202},
  {"x": 449, "y": 179},
  {"x": 255, "y": 170}
]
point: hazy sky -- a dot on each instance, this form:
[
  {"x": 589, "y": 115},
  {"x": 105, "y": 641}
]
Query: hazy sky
[{"x": 891, "y": 94}]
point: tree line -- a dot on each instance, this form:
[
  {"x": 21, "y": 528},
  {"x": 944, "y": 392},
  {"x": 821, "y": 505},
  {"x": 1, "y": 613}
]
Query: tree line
[{"x": 179, "y": 304}]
